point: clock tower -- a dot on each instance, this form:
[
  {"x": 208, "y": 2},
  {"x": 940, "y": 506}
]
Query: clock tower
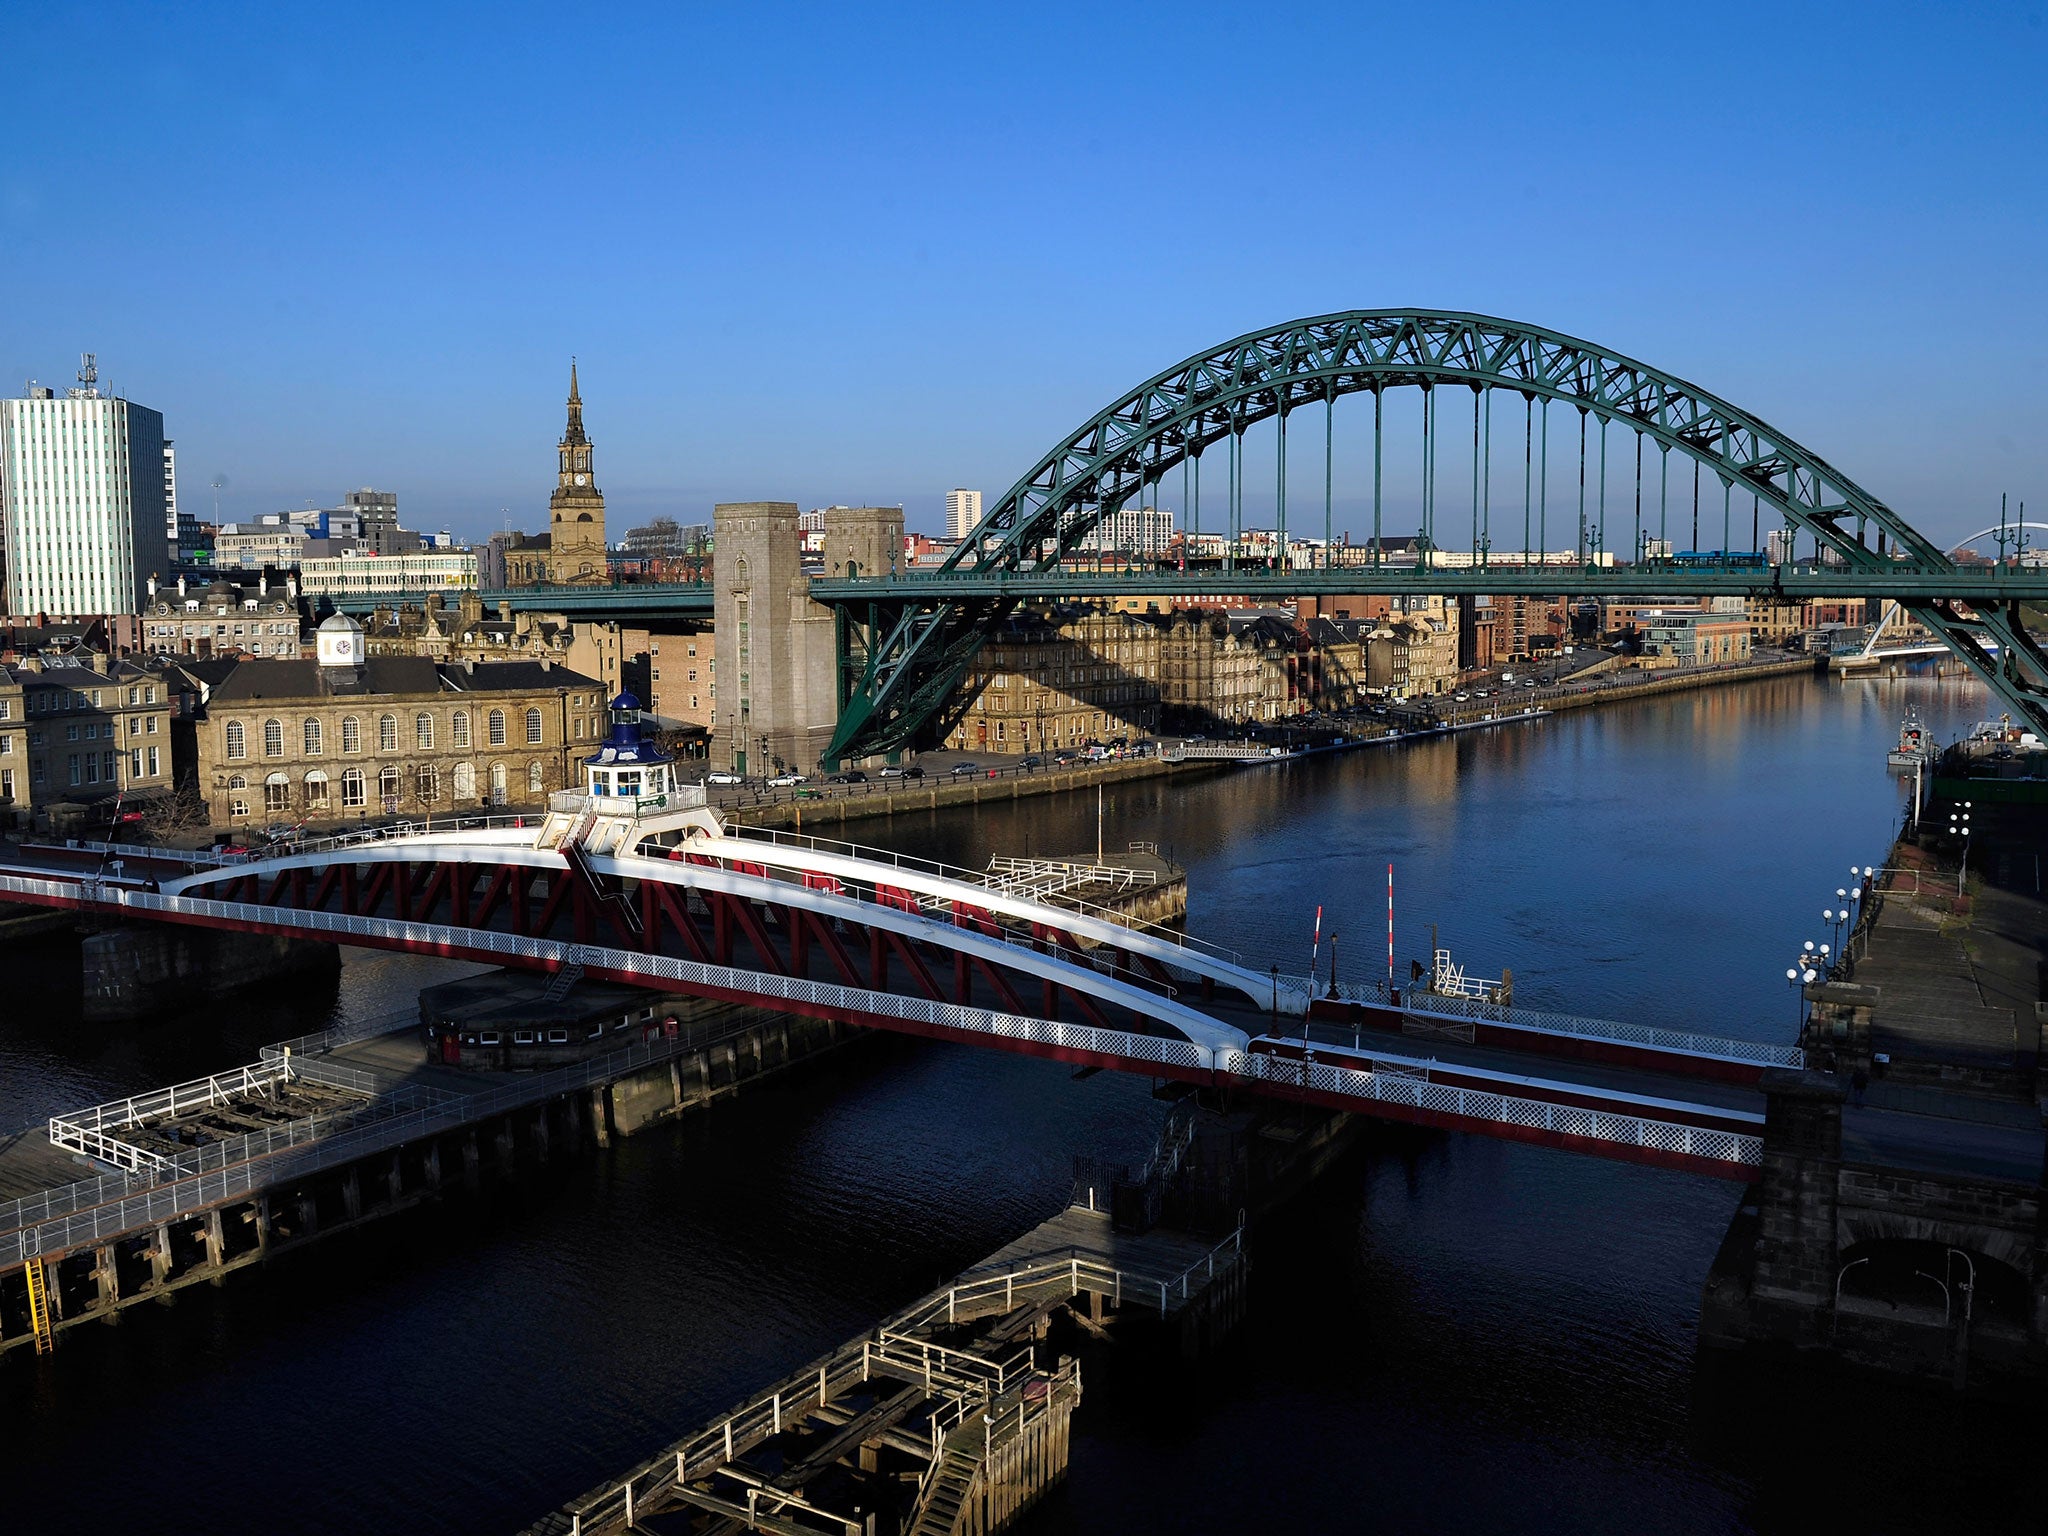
[{"x": 576, "y": 510}]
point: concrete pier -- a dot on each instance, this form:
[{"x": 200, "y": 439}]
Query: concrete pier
[{"x": 1901, "y": 1221}]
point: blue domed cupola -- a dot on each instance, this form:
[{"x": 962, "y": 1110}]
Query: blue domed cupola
[{"x": 625, "y": 766}]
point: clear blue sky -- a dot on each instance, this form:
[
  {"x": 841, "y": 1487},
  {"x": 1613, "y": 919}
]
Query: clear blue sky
[{"x": 865, "y": 253}]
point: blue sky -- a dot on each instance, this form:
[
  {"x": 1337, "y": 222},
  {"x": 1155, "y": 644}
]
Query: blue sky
[{"x": 866, "y": 253}]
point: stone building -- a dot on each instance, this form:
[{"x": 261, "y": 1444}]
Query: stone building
[
  {"x": 1408, "y": 656},
  {"x": 1045, "y": 682},
  {"x": 81, "y": 731},
  {"x": 344, "y": 736},
  {"x": 261, "y": 616},
  {"x": 1227, "y": 668}
]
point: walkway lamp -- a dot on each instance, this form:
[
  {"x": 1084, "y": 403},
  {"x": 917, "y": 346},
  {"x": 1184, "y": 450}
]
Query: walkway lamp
[
  {"x": 1798, "y": 1002},
  {"x": 1276, "y": 999}
]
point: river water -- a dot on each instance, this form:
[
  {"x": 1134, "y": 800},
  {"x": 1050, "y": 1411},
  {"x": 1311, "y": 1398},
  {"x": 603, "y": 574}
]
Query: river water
[{"x": 1448, "y": 1334}]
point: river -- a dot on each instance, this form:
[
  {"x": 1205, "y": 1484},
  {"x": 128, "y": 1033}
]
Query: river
[{"x": 1449, "y": 1334}]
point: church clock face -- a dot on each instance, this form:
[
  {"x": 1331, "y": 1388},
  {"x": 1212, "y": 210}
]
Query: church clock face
[{"x": 583, "y": 479}]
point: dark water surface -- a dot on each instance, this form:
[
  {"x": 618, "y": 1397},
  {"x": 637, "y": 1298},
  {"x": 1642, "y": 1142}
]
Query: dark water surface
[{"x": 1450, "y": 1334}]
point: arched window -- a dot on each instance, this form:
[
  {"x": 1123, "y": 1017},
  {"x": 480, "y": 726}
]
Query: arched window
[
  {"x": 465, "y": 780},
  {"x": 497, "y": 783},
  {"x": 277, "y": 794},
  {"x": 352, "y": 796},
  {"x": 238, "y": 795},
  {"x": 273, "y": 738},
  {"x": 316, "y": 791},
  {"x": 427, "y": 783},
  {"x": 351, "y": 734},
  {"x": 536, "y": 780},
  {"x": 459, "y": 728},
  {"x": 238, "y": 745},
  {"x": 387, "y": 733},
  {"x": 311, "y": 733},
  {"x": 423, "y": 731},
  {"x": 533, "y": 728},
  {"x": 497, "y": 728},
  {"x": 387, "y": 786}
]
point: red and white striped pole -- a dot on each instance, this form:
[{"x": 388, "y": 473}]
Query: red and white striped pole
[{"x": 1390, "y": 925}]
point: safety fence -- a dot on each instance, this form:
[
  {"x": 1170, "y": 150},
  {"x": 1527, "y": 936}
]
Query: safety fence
[
  {"x": 1435, "y": 1005},
  {"x": 1481, "y": 1106}
]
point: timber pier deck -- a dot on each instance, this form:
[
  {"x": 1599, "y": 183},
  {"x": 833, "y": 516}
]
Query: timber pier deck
[{"x": 946, "y": 1419}]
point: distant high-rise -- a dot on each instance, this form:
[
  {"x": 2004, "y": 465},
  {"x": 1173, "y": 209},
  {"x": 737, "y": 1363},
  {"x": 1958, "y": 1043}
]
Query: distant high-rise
[
  {"x": 963, "y": 513},
  {"x": 170, "y": 496},
  {"x": 83, "y": 484}
]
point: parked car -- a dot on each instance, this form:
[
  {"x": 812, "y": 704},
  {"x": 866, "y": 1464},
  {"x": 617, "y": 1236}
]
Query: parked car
[
  {"x": 962, "y": 770},
  {"x": 1032, "y": 762},
  {"x": 851, "y": 776},
  {"x": 913, "y": 772},
  {"x": 893, "y": 773},
  {"x": 723, "y": 777},
  {"x": 788, "y": 780}
]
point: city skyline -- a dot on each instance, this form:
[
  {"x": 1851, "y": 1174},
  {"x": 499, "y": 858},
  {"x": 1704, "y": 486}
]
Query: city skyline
[{"x": 746, "y": 278}]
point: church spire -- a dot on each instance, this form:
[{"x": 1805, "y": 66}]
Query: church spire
[{"x": 574, "y": 432}]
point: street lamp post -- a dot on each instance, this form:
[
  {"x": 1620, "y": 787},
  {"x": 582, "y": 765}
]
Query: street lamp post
[
  {"x": 1959, "y": 822},
  {"x": 1800, "y": 980}
]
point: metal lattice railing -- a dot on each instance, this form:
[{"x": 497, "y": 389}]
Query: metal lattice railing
[
  {"x": 1432, "y": 1005},
  {"x": 1480, "y": 1106}
]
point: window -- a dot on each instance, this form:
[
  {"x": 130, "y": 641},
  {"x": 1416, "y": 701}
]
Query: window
[
  {"x": 135, "y": 764},
  {"x": 238, "y": 795},
  {"x": 154, "y": 770},
  {"x": 316, "y": 791},
  {"x": 497, "y": 728},
  {"x": 533, "y": 727},
  {"x": 71, "y": 762},
  {"x": 423, "y": 731},
  {"x": 351, "y": 734},
  {"x": 352, "y": 790},
  {"x": 273, "y": 738},
  {"x": 465, "y": 781},
  {"x": 387, "y": 733},
  {"x": 427, "y": 783},
  {"x": 497, "y": 783},
  {"x": 387, "y": 787},
  {"x": 536, "y": 781},
  {"x": 277, "y": 794},
  {"x": 311, "y": 733},
  {"x": 458, "y": 728},
  {"x": 152, "y": 725}
]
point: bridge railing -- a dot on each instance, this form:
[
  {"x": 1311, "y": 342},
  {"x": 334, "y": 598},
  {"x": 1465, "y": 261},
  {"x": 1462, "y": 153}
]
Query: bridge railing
[
  {"x": 1438, "y": 1005},
  {"x": 1734, "y": 1148}
]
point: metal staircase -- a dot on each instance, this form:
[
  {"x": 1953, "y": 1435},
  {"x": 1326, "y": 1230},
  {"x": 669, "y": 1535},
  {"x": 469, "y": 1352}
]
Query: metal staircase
[{"x": 562, "y": 981}]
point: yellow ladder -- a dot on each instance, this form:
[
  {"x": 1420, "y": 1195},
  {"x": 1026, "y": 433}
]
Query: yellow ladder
[{"x": 39, "y": 1307}]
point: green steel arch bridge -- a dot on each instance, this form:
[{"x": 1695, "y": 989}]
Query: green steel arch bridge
[{"x": 905, "y": 641}]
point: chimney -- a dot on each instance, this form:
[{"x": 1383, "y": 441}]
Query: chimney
[{"x": 291, "y": 588}]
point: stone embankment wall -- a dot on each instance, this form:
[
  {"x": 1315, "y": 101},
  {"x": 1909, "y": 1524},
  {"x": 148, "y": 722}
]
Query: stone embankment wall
[{"x": 128, "y": 972}]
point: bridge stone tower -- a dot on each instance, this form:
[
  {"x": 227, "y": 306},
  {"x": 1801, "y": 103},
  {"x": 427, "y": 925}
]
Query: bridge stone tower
[{"x": 778, "y": 701}]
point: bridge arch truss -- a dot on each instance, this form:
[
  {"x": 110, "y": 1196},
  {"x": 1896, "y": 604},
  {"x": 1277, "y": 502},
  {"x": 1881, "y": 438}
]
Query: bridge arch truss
[{"x": 903, "y": 655}]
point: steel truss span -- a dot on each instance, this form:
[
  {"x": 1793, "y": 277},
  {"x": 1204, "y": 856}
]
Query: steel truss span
[{"x": 905, "y": 648}]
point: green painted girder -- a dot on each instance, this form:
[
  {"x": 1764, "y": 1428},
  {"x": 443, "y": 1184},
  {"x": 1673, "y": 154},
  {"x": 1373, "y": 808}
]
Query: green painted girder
[
  {"x": 649, "y": 599},
  {"x": 1975, "y": 585},
  {"x": 1204, "y": 399}
]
